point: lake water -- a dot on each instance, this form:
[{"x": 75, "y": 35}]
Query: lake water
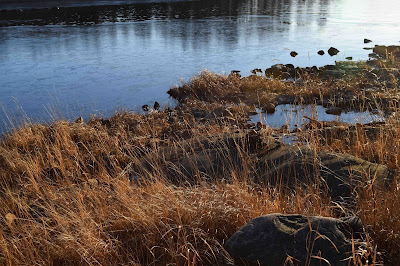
[
  {"x": 295, "y": 116},
  {"x": 132, "y": 54}
]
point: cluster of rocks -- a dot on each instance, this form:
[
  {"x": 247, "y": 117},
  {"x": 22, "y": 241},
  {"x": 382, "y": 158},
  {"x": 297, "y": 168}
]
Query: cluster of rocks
[
  {"x": 289, "y": 71},
  {"x": 331, "y": 51},
  {"x": 278, "y": 239}
]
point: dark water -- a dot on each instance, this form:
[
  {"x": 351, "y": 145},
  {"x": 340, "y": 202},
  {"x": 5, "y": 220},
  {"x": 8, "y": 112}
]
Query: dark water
[{"x": 93, "y": 60}]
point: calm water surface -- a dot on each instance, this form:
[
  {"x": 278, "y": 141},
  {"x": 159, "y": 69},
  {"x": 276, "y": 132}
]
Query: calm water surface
[{"x": 131, "y": 56}]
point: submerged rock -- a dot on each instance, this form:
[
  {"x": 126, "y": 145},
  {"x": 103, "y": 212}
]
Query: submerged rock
[
  {"x": 273, "y": 238},
  {"x": 333, "y": 51},
  {"x": 334, "y": 111},
  {"x": 156, "y": 106}
]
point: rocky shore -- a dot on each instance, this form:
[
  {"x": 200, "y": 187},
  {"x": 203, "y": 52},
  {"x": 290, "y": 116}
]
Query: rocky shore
[{"x": 200, "y": 184}]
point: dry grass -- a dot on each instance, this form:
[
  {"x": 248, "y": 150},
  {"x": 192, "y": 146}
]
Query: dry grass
[
  {"x": 67, "y": 195},
  {"x": 379, "y": 143},
  {"x": 66, "y": 199}
]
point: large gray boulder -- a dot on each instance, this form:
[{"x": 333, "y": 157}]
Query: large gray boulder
[
  {"x": 274, "y": 238},
  {"x": 338, "y": 174}
]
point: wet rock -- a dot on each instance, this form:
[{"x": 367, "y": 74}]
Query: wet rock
[
  {"x": 293, "y": 54},
  {"x": 334, "y": 111},
  {"x": 285, "y": 99},
  {"x": 156, "y": 106},
  {"x": 349, "y": 58},
  {"x": 235, "y": 73},
  {"x": 276, "y": 71},
  {"x": 79, "y": 120},
  {"x": 145, "y": 108},
  {"x": 281, "y": 71},
  {"x": 256, "y": 70},
  {"x": 333, "y": 51},
  {"x": 271, "y": 239},
  {"x": 269, "y": 108},
  {"x": 367, "y": 41},
  {"x": 321, "y": 52}
]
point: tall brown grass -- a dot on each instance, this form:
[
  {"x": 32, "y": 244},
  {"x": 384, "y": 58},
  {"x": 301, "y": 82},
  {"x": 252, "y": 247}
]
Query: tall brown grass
[
  {"x": 66, "y": 199},
  {"x": 70, "y": 196}
]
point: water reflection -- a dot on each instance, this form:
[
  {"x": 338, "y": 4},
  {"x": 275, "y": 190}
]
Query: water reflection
[
  {"x": 299, "y": 11},
  {"x": 295, "y": 116},
  {"x": 92, "y": 67}
]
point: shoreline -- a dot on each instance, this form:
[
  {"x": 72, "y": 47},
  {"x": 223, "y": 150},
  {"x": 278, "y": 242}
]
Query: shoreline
[{"x": 175, "y": 185}]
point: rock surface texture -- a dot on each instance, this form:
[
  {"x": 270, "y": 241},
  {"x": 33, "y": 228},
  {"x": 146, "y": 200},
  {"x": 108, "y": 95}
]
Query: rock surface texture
[
  {"x": 275, "y": 238},
  {"x": 338, "y": 173}
]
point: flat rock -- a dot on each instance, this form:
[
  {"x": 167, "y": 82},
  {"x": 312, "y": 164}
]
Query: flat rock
[
  {"x": 271, "y": 239},
  {"x": 338, "y": 173}
]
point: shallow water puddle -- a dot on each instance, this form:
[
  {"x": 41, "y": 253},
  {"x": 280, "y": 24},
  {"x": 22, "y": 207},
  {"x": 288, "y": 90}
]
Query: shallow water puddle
[{"x": 293, "y": 116}]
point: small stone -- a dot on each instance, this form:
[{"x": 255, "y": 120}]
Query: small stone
[
  {"x": 334, "y": 111},
  {"x": 321, "y": 52},
  {"x": 293, "y": 54},
  {"x": 156, "y": 106},
  {"x": 145, "y": 108},
  {"x": 367, "y": 41},
  {"x": 269, "y": 108},
  {"x": 10, "y": 218},
  {"x": 235, "y": 72},
  {"x": 333, "y": 51},
  {"x": 349, "y": 58},
  {"x": 256, "y": 70},
  {"x": 79, "y": 120}
]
